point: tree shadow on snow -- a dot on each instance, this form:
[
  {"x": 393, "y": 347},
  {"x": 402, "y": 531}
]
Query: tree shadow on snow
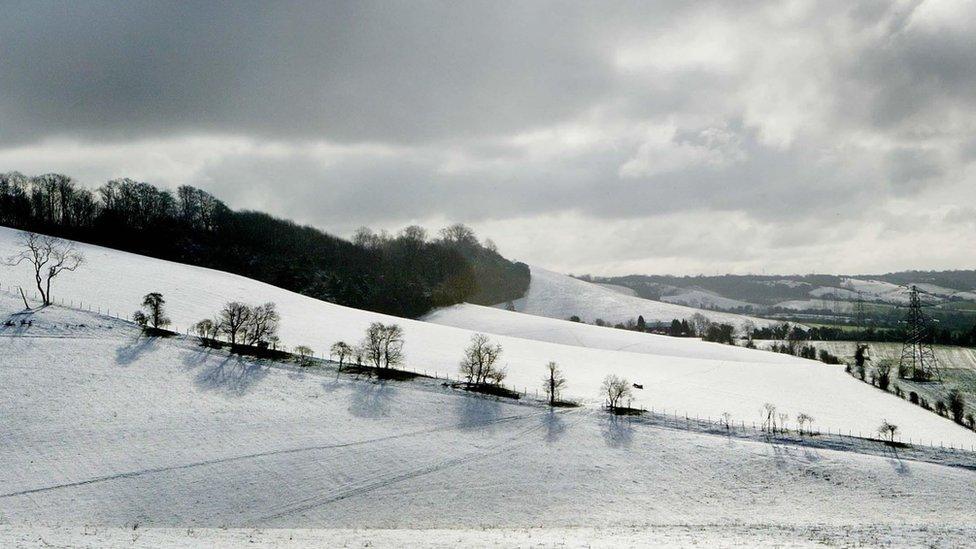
[
  {"x": 371, "y": 400},
  {"x": 477, "y": 413},
  {"x": 231, "y": 375},
  {"x": 555, "y": 426},
  {"x": 131, "y": 352},
  {"x": 617, "y": 431}
]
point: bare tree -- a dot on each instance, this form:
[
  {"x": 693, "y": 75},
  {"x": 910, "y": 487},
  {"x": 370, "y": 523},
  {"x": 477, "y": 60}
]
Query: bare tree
[
  {"x": 206, "y": 329},
  {"x": 768, "y": 413},
  {"x": 804, "y": 419},
  {"x": 459, "y": 234},
  {"x": 341, "y": 350},
  {"x": 233, "y": 318},
  {"x": 727, "y": 420},
  {"x": 49, "y": 256},
  {"x": 304, "y": 355},
  {"x": 392, "y": 345},
  {"x": 261, "y": 326},
  {"x": 478, "y": 364},
  {"x": 383, "y": 345},
  {"x": 700, "y": 323},
  {"x": 615, "y": 389},
  {"x": 888, "y": 430},
  {"x": 553, "y": 382}
]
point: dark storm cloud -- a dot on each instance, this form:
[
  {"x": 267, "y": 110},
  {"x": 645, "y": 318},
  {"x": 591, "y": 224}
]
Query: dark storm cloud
[
  {"x": 775, "y": 117},
  {"x": 338, "y": 70}
]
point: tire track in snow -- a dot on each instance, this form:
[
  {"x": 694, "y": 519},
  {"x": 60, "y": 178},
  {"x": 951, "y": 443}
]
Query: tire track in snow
[
  {"x": 155, "y": 470},
  {"x": 307, "y": 504}
]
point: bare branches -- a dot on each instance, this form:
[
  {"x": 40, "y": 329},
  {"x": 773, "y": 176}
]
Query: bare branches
[
  {"x": 615, "y": 389},
  {"x": 383, "y": 345},
  {"x": 49, "y": 256},
  {"x": 478, "y": 364},
  {"x": 553, "y": 383}
]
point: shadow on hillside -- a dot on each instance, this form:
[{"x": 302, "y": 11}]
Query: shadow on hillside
[
  {"x": 617, "y": 431},
  {"x": 231, "y": 375},
  {"x": 477, "y": 413},
  {"x": 131, "y": 352},
  {"x": 371, "y": 400}
]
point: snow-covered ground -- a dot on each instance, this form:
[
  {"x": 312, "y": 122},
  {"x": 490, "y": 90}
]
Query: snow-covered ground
[
  {"x": 703, "y": 299},
  {"x": 112, "y": 439},
  {"x": 701, "y": 379},
  {"x": 559, "y": 296}
]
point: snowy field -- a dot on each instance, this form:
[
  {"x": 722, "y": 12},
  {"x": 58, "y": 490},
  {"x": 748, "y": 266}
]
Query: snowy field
[
  {"x": 687, "y": 376},
  {"x": 560, "y": 296},
  {"x": 110, "y": 439}
]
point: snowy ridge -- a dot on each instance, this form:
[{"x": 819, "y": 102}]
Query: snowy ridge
[
  {"x": 689, "y": 376},
  {"x": 559, "y": 296}
]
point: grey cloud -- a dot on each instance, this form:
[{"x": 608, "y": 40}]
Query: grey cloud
[{"x": 447, "y": 100}]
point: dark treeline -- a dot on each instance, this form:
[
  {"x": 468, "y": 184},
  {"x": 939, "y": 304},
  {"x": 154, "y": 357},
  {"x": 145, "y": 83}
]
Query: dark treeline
[
  {"x": 965, "y": 338},
  {"x": 404, "y": 275}
]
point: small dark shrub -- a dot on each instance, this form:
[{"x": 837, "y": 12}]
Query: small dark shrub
[{"x": 913, "y": 397}]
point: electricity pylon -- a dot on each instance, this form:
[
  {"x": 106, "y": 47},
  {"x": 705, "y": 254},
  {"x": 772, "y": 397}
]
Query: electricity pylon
[{"x": 916, "y": 352}]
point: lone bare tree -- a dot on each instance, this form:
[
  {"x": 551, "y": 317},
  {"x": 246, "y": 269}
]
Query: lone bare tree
[
  {"x": 615, "y": 389},
  {"x": 49, "y": 256},
  {"x": 888, "y": 430},
  {"x": 553, "y": 382},
  {"x": 341, "y": 350},
  {"x": 478, "y": 364},
  {"x": 804, "y": 419},
  {"x": 768, "y": 414}
]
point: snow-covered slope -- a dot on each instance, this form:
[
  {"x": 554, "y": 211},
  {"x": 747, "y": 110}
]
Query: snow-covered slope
[
  {"x": 103, "y": 430},
  {"x": 675, "y": 374},
  {"x": 703, "y": 299},
  {"x": 559, "y": 296}
]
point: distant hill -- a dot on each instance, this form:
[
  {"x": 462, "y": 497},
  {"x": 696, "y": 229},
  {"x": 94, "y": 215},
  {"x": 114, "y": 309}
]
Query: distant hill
[{"x": 949, "y": 296}]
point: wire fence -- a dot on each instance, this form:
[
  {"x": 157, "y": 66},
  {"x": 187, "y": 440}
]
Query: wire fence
[{"x": 676, "y": 416}]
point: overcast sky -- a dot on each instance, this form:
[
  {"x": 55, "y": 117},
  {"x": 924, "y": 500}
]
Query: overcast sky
[{"x": 600, "y": 137}]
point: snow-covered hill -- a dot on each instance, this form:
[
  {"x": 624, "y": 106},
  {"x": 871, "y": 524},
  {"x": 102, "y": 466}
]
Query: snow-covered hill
[
  {"x": 703, "y": 299},
  {"x": 104, "y": 430},
  {"x": 559, "y": 296},
  {"x": 688, "y": 376}
]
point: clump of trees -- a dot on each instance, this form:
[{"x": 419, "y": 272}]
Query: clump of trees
[
  {"x": 48, "y": 256},
  {"x": 382, "y": 347},
  {"x": 242, "y": 325},
  {"x": 480, "y": 363},
  {"x": 304, "y": 355},
  {"x": 615, "y": 389},
  {"x": 153, "y": 314}
]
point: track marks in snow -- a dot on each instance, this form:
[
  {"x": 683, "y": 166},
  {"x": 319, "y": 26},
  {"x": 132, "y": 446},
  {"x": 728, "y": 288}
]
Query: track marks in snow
[
  {"x": 508, "y": 444},
  {"x": 220, "y": 461}
]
